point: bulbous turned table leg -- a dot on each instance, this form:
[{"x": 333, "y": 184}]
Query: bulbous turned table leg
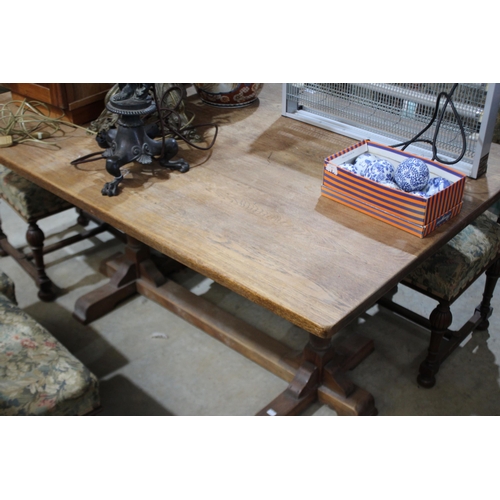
[
  {"x": 3, "y": 236},
  {"x": 440, "y": 319},
  {"x": 35, "y": 239},
  {"x": 82, "y": 220},
  {"x": 492, "y": 275}
]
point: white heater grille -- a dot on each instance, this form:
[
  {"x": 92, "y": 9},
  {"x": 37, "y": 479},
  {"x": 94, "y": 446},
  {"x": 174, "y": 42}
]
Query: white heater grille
[{"x": 394, "y": 113}]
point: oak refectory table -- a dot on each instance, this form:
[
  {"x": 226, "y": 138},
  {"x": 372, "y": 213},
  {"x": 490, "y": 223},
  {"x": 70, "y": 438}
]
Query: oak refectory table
[{"x": 250, "y": 216}]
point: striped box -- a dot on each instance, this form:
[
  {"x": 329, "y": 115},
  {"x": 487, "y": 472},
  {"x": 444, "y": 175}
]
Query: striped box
[{"x": 411, "y": 213}]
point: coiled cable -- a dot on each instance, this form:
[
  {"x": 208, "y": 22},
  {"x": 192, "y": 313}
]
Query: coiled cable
[
  {"x": 433, "y": 142},
  {"x": 27, "y": 121}
]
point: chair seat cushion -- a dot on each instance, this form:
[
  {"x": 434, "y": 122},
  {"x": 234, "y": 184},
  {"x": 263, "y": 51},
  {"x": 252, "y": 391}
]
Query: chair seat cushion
[
  {"x": 447, "y": 273},
  {"x": 38, "y": 375},
  {"x": 28, "y": 199}
]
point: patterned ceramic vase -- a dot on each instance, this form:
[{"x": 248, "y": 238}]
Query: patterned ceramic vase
[{"x": 228, "y": 95}]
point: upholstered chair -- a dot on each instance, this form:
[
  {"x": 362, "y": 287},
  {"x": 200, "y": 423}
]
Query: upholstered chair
[
  {"x": 38, "y": 375},
  {"x": 446, "y": 276},
  {"x": 34, "y": 203}
]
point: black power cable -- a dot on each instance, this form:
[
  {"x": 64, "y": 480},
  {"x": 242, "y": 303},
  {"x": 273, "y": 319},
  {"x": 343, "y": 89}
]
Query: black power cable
[
  {"x": 433, "y": 142},
  {"x": 164, "y": 114},
  {"x": 164, "y": 123}
]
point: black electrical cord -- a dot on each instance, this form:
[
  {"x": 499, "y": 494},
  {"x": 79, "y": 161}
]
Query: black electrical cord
[
  {"x": 163, "y": 121},
  {"x": 433, "y": 142},
  {"x": 164, "y": 114}
]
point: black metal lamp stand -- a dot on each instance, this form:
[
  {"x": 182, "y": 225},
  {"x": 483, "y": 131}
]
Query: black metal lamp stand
[{"x": 132, "y": 140}]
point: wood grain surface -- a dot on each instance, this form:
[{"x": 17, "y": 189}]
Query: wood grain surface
[{"x": 249, "y": 213}]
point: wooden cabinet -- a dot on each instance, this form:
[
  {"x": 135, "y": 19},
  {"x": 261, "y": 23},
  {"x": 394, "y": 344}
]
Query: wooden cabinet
[{"x": 80, "y": 102}]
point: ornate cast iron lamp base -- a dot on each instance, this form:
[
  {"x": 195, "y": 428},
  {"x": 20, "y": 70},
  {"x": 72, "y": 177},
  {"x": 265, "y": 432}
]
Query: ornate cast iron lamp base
[{"x": 132, "y": 140}]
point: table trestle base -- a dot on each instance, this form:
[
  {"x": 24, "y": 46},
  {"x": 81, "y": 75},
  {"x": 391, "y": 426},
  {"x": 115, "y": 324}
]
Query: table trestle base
[{"x": 317, "y": 373}]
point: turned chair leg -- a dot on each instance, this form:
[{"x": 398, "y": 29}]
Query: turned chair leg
[
  {"x": 393, "y": 291},
  {"x": 440, "y": 319},
  {"x": 35, "y": 239},
  {"x": 3, "y": 236},
  {"x": 82, "y": 220},
  {"x": 492, "y": 275}
]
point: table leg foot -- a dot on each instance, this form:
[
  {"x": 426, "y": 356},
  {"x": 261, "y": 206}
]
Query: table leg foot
[
  {"x": 99, "y": 302},
  {"x": 337, "y": 390},
  {"x": 322, "y": 376},
  {"x": 359, "y": 403},
  {"x": 298, "y": 396},
  {"x": 96, "y": 304},
  {"x": 133, "y": 265}
]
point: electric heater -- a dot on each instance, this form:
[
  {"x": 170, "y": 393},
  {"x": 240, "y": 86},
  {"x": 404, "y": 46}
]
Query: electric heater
[{"x": 395, "y": 113}]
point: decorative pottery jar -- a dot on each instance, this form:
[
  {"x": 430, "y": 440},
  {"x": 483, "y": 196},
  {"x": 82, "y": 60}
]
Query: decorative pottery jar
[
  {"x": 228, "y": 95},
  {"x": 412, "y": 174}
]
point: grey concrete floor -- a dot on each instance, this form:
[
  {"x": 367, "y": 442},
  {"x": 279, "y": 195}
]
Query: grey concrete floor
[{"x": 151, "y": 362}]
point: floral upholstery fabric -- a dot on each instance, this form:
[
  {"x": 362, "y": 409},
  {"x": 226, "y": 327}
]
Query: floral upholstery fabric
[
  {"x": 38, "y": 376},
  {"x": 30, "y": 200},
  {"x": 460, "y": 261}
]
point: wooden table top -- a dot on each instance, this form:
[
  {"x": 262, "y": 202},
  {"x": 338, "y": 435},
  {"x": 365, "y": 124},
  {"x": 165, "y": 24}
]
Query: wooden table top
[{"x": 249, "y": 213}]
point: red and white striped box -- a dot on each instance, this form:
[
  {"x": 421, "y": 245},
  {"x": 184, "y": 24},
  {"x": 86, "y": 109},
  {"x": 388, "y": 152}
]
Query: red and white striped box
[{"x": 411, "y": 213}]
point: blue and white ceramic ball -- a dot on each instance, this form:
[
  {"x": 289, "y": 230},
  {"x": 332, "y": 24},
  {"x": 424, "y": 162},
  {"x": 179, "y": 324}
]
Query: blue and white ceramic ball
[
  {"x": 412, "y": 174},
  {"x": 363, "y": 161},
  {"x": 436, "y": 184},
  {"x": 422, "y": 194},
  {"x": 380, "y": 171},
  {"x": 350, "y": 167},
  {"x": 391, "y": 184}
]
